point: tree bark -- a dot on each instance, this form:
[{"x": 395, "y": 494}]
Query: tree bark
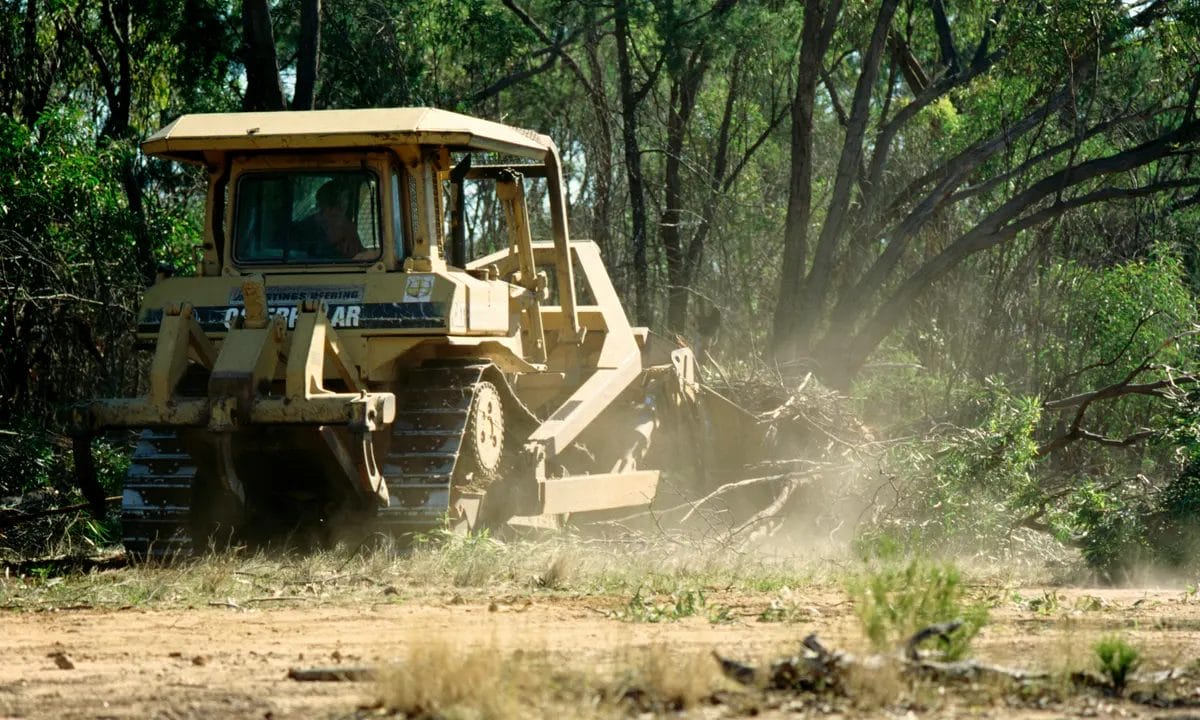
[
  {"x": 602, "y": 153},
  {"x": 685, "y": 87},
  {"x": 264, "y": 91},
  {"x": 816, "y": 285},
  {"x": 941, "y": 23},
  {"x": 630, "y": 100},
  {"x": 308, "y": 55},
  {"x": 819, "y": 21}
]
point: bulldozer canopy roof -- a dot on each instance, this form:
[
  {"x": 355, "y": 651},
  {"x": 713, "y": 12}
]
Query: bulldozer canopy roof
[{"x": 190, "y": 136}]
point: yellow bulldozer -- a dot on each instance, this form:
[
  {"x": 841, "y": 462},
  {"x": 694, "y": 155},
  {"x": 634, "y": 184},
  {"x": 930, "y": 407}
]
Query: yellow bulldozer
[{"x": 353, "y": 354}]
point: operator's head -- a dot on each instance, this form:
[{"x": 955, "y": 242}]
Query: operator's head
[{"x": 331, "y": 196}]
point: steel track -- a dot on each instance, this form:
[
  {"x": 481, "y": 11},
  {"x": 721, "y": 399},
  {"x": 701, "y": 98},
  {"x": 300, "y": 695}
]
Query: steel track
[
  {"x": 433, "y": 403},
  {"x": 432, "y": 407},
  {"x": 157, "y": 497}
]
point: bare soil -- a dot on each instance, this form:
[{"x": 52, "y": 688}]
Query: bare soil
[{"x": 233, "y": 661}]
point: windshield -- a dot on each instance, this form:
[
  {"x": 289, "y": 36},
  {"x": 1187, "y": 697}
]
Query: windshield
[{"x": 307, "y": 217}]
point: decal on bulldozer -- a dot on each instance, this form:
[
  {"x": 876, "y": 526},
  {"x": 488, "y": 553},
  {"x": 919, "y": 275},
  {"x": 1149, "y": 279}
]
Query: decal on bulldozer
[{"x": 375, "y": 316}]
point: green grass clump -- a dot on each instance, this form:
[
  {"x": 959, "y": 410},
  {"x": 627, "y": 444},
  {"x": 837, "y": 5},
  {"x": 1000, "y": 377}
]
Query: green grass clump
[
  {"x": 894, "y": 602},
  {"x": 1116, "y": 660},
  {"x": 680, "y": 604}
]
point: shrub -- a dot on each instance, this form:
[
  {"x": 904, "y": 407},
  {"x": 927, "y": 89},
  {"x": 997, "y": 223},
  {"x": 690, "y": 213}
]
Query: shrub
[
  {"x": 894, "y": 602},
  {"x": 956, "y": 488}
]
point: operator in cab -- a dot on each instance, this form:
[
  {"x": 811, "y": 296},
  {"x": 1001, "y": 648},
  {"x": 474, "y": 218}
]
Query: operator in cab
[{"x": 331, "y": 223}]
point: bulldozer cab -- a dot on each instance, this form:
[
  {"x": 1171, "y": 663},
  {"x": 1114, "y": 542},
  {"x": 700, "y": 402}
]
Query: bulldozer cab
[{"x": 391, "y": 191}]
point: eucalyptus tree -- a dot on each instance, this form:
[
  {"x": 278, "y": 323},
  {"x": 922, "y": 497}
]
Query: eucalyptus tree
[{"x": 961, "y": 132}]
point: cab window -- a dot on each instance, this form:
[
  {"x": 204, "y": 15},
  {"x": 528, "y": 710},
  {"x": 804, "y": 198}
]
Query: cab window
[{"x": 307, "y": 217}]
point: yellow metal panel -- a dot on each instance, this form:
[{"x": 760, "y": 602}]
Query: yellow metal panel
[
  {"x": 593, "y": 397},
  {"x": 511, "y": 191},
  {"x": 619, "y": 342},
  {"x": 188, "y": 137},
  {"x": 139, "y": 412},
  {"x": 248, "y": 352},
  {"x": 581, "y": 493},
  {"x": 178, "y": 338}
]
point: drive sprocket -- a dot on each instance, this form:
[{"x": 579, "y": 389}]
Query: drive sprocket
[{"x": 483, "y": 443}]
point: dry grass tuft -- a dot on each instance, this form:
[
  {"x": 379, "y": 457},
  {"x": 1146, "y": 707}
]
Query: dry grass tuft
[
  {"x": 436, "y": 680},
  {"x": 666, "y": 679},
  {"x": 559, "y": 572},
  {"x": 873, "y": 687}
]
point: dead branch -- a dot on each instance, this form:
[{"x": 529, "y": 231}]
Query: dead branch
[
  {"x": 332, "y": 674},
  {"x": 817, "y": 669},
  {"x": 771, "y": 510},
  {"x": 10, "y": 519},
  {"x": 1123, "y": 387},
  {"x": 940, "y": 630},
  {"x": 740, "y": 484}
]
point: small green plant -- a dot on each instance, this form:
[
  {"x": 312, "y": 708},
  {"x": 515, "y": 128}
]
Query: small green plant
[
  {"x": 680, "y": 604},
  {"x": 1189, "y": 593},
  {"x": 893, "y": 603},
  {"x": 1048, "y": 604},
  {"x": 721, "y": 615},
  {"x": 1117, "y": 660},
  {"x": 785, "y": 609}
]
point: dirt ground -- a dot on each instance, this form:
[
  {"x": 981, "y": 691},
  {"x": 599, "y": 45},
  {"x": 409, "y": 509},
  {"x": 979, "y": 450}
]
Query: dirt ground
[{"x": 233, "y": 661}]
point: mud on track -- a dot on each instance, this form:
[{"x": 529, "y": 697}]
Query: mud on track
[{"x": 209, "y": 662}]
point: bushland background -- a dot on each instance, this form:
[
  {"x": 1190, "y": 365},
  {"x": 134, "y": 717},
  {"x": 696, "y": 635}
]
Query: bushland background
[{"x": 951, "y": 244}]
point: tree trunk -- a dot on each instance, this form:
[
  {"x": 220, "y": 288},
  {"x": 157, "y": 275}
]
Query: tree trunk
[
  {"x": 630, "y": 99},
  {"x": 814, "y": 298},
  {"x": 684, "y": 89},
  {"x": 308, "y": 55},
  {"x": 602, "y": 153},
  {"x": 264, "y": 91},
  {"x": 818, "y": 23}
]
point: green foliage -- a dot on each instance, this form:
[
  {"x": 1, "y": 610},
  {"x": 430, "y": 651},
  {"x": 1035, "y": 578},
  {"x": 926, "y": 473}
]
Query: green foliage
[
  {"x": 960, "y": 485},
  {"x": 1121, "y": 314},
  {"x": 437, "y": 53},
  {"x": 1160, "y": 527},
  {"x": 66, "y": 239},
  {"x": 29, "y": 459},
  {"x": 982, "y": 471},
  {"x": 1116, "y": 660},
  {"x": 894, "y": 602},
  {"x": 36, "y": 474}
]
